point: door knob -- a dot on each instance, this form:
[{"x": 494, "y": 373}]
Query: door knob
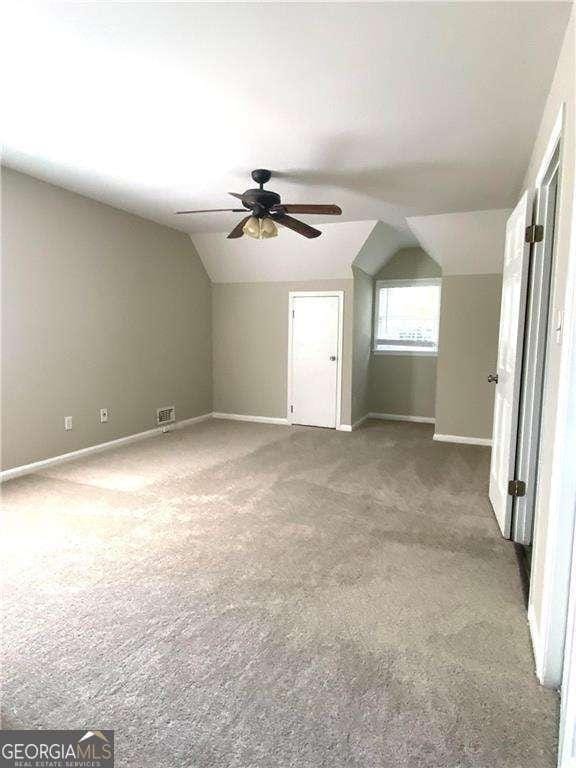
[
  {"x": 493, "y": 378},
  {"x": 332, "y": 357}
]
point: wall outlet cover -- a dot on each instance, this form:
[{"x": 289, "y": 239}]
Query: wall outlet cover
[{"x": 67, "y": 423}]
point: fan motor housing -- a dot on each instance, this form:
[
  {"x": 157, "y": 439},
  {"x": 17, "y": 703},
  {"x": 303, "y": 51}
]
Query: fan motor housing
[{"x": 260, "y": 198}]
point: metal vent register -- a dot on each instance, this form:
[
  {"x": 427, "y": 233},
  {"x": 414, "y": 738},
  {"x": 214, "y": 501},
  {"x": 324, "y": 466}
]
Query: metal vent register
[{"x": 166, "y": 415}]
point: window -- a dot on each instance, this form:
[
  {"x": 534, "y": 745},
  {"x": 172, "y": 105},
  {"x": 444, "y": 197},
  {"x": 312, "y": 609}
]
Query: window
[{"x": 406, "y": 318}]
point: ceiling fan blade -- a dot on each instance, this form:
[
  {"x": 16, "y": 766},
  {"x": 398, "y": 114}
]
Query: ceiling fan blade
[
  {"x": 236, "y": 194},
  {"x": 326, "y": 210},
  {"x": 215, "y": 210},
  {"x": 238, "y": 229},
  {"x": 297, "y": 226}
]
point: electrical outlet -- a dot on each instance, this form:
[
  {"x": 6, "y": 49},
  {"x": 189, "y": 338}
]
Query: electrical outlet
[
  {"x": 103, "y": 415},
  {"x": 67, "y": 422}
]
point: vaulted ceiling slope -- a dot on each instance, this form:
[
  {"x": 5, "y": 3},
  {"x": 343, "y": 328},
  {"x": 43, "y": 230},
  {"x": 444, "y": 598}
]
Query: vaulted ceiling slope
[
  {"x": 470, "y": 243},
  {"x": 287, "y": 257},
  {"x": 382, "y": 243},
  {"x": 388, "y": 109}
]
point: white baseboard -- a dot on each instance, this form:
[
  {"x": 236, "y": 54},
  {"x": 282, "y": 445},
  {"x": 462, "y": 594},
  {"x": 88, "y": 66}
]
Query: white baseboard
[
  {"x": 463, "y": 440},
  {"x": 268, "y": 420},
  {"x": 187, "y": 422},
  {"x": 245, "y": 417},
  {"x": 547, "y": 670},
  {"x": 26, "y": 469},
  {"x": 399, "y": 417},
  {"x": 360, "y": 421},
  {"x": 536, "y": 643}
]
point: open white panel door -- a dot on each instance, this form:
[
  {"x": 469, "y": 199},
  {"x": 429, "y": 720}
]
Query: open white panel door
[{"x": 510, "y": 344}]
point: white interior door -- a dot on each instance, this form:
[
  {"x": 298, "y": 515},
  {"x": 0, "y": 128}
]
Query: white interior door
[
  {"x": 535, "y": 349},
  {"x": 314, "y": 363},
  {"x": 510, "y": 343}
]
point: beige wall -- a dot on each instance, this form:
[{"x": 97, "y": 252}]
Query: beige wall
[
  {"x": 547, "y": 575},
  {"x": 452, "y": 387},
  {"x": 250, "y": 327},
  {"x": 404, "y": 384},
  {"x": 100, "y": 309},
  {"x": 362, "y": 343},
  {"x": 468, "y": 350}
]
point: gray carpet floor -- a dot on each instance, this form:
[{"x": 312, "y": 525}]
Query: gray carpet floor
[{"x": 238, "y": 595}]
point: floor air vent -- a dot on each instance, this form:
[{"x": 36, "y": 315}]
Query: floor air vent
[{"x": 166, "y": 415}]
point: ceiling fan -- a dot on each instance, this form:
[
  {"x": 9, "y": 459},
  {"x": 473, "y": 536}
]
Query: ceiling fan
[{"x": 267, "y": 210}]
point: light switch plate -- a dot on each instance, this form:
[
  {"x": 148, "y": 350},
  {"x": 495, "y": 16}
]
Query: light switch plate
[{"x": 103, "y": 415}]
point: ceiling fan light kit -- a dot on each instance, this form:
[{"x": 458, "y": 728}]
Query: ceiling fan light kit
[
  {"x": 267, "y": 211},
  {"x": 260, "y": 229}
]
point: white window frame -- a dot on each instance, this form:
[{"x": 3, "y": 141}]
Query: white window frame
[{"x": 380, "y": 347}]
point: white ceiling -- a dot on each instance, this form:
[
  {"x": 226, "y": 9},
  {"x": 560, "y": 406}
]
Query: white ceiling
[
  {"x": 391, "y": 110},
  {"x": 286, "y": 257},
  {"x": 464, "y": 243}
]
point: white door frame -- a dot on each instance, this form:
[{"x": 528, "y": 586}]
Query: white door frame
[
  {"x": 549, "y": 635},
  {"x": 566, "y": 746},
  {"x": 310, "y": 294},
  {"x": 536, "y": 342},
  {"x": 566, "y": 739}
]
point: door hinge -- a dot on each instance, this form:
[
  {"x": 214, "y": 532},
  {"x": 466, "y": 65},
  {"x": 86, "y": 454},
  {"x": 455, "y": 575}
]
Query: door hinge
[
  {"x": 293, "y": 313},
  {"x": 291, "y": 409},
  {"x": 516, "y": 488},
  {"x": 534, "y": 233}
]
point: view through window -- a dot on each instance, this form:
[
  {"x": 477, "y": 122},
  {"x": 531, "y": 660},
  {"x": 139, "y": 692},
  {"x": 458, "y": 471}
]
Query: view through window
[{"x": 407, "y": 315}]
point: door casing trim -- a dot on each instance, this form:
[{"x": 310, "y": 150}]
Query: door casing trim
[{"x": 548, "y": 629}]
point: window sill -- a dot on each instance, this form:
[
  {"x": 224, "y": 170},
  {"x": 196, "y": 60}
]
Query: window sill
[{"x": 401, "y": 351}]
